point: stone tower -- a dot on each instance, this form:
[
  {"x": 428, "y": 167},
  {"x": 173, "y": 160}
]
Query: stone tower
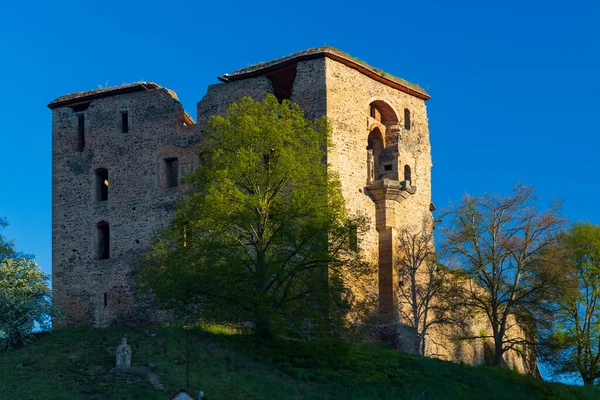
[
  {"x": 117, "y": 157},
  {"x": 118, "y": 154},
  {"x": 381, "y": 142}
]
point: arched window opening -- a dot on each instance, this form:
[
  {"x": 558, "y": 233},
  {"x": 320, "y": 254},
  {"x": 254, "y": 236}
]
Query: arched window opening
[
  {"x": 101, "y": 184},
  {"x": 383, "y": 113},
  {"x": 406, "y": 118},
  {"x": 102, "y": 240},
  {"x": 375, "y": 146},
  {"x": 407, "y": 174}
]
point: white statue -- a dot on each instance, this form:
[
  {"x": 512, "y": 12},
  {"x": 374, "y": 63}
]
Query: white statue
[{"x": 123, "y": 354}]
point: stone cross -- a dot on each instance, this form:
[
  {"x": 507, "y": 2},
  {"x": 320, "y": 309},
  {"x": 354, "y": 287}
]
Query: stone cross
[{"x": 123, "y": 354}]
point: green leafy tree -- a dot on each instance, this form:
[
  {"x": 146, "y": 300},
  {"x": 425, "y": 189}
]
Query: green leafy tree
[
  {"x": 25, "y": 297},
  {"x": 262, "y": 234},
  {"x": 7, "y": 249},
  {"x": 505, "y": 248},
  {"x": 574, "y": 343}
]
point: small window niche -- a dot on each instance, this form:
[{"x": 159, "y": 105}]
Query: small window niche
[
  {"x": 124, "y": 121},
  {"x": 101, "y": 184},
  {"x": 105, "y": 300},
  {"x": 172, "y": 172},
  {"x": 406, "y": 118},
  {"x": 80, "y": 143},
  {"x": 102, "y": 241},
  {"x": 407, "y": 173},
  {"x": 387, "y": 167}
]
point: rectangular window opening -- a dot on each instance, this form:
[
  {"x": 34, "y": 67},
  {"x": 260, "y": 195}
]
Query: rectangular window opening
[
  {"x": 81, "y": 124},
  {"x": 80, "y": 133},
  {"x": 387, "y": 167},
  {"x": 124, "y": 122},
  {"x": 101, "y": 184},
  {"x": 105, "y": 300},
  {"x": 103, "y": 241},
  {"x": 172, "y": 172}
]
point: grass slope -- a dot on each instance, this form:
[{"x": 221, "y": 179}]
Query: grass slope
[{"x": 76, "y": 364}]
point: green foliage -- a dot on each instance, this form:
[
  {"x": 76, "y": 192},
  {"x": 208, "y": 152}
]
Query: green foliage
[
  {"x": 7, "y": 249},
  {"x": 262, "y": 234},
  {"x": 573, "y": 345},
  {"x": 25, "y": 298},
  {"x": 25, "y": 301},
  {"x": 76, "y": 364}
]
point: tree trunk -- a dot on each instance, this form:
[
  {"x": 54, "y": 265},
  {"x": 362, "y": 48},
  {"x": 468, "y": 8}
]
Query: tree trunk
[
  {"x": 497, "y": 359},
  {"x": 588, "y": 381},
  {"x": 263, "y": 327}
]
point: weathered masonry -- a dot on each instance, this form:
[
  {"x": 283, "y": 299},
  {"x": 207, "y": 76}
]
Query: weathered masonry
[{"x": 118, "y": 156}]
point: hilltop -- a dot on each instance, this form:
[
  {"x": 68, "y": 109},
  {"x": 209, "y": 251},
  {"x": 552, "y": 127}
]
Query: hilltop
[{"x": 76, "y": 364}]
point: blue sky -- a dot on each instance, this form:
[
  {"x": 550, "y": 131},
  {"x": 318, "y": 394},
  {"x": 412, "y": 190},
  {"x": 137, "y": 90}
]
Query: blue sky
[{"x": 514, "y": 84}]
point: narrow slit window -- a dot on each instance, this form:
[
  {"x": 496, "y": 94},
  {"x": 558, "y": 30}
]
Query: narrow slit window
[
  {"x": 105, "y": 300},
  {"x": 171, "y": 172},
  {"x": 102, "y": 240},
  {"x": 407, "y": 174},
  {"x": 406, "y": 118},
  {"x": 101, "y": 183},
  {"x": 80, "y": 132},
  {"x": 124, "y": 122}
]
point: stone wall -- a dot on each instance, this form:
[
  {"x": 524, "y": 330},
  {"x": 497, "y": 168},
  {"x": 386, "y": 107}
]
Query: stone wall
[
  {"x": 220, "y": 95},
  {"x": 95, "y": 292},
  {"x": 349, "y": 95}
]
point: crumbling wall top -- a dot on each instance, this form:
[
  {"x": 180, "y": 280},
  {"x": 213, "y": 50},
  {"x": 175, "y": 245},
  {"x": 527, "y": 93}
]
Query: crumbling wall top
[
  {"x": 334, "y": 54},
  {"x": 73, "y": 99}
]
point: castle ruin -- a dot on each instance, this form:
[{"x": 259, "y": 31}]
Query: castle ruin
[{"x": 118, "y": 155}]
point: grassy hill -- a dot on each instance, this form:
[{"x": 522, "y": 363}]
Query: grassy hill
[{"x": 76, "y": 364}]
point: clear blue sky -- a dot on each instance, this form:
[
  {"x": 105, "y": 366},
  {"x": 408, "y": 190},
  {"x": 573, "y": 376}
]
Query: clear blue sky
[{"x": 514, "y": 84}]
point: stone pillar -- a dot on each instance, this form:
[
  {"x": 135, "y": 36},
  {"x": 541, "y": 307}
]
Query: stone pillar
[
  {"x": 387, "y": 306},
  {"x": 387, "y": 194}
]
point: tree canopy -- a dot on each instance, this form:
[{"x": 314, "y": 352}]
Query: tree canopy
[
  {"x": 574, "y": 342},
  {"x": 25, "y": 297},
  {"x": 262, "y": 234},
  {"x": 7, "y": 248},
  {"x": 507, "y": 251}
]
